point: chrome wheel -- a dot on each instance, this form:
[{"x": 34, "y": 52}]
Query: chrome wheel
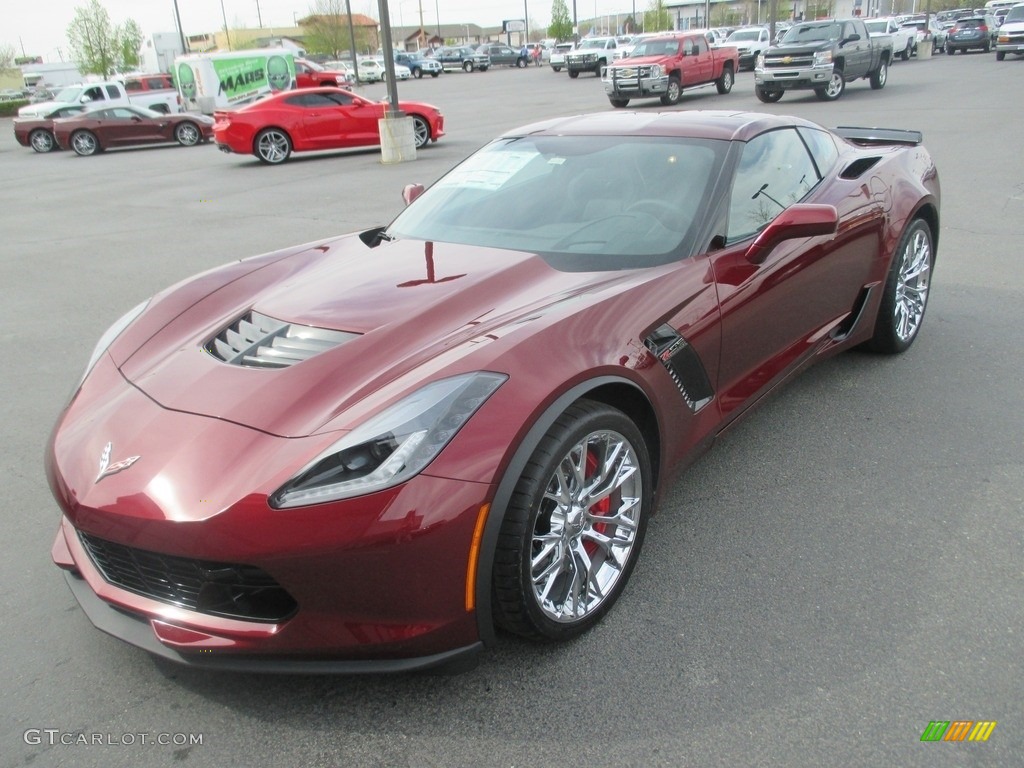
[
  {"x": 187, "y": 134},
  {"x": 835, "y": 86},
  {"x": 912, "y": 282},
  {"x": 41, "y": 141},
  {"x": 273, "y": 146},
  {"x": 84, "y": 143},
  {"x": 421, "y": 131},
  {"x": 573, "y": 528},
  {"x": 586, "y": 526}
]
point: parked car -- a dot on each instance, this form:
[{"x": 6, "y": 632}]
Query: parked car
[
  {"x": 362, "y": 453},
  {"x": 96, "y": 130},
  {"x": 1011, "y": 34},
  {"x": 591, "y": 55},
  {"x": 972, "y": 32},
  {"x": 106, "y": 94},
  {"x": 927, "y": 30},
  {"x": 314, "y": 119},
  {"x": 159, "y": 81},
  {"x": 462, "y": 57},
  {"x": 904, "y": 40},
  {"x": 557, "y": 59},
  {"x": 309, "y": 74},
  {"x": 505, "y": 56},
  {"x": 749, "y": 42},
  {"x": 418, "y": 64},
  {"x": 823, "y": 56},
  {"x": 37, "y": 132}
]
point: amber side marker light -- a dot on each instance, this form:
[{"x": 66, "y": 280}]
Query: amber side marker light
[{"x": 474, "y": 554}]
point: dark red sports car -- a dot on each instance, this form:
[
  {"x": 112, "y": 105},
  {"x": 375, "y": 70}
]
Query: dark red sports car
[
  {"x": 37, "y": 132},
  {"x": 100, "y": 129},
  {"x": 364, "y": 453},
  {"x": 312, "y": 119}
]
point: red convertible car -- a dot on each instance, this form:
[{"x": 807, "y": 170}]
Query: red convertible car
[
  {"x": 312, "y": 119},
  {"x": 364, "y": 453},
  {"x": 37, "y": 132},
  {"x": 101, "y": 129}
]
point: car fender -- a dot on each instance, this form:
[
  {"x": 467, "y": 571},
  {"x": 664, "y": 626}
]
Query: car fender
[{"x": 503, "y": 494}]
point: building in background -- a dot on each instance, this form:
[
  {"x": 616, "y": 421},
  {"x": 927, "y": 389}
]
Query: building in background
[{"x": 159, "y": 51}]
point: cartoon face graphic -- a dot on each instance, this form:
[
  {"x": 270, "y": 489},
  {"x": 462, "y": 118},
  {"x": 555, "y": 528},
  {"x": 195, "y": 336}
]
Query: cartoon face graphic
[
  {"x": 186, "y": 82},
  {"x": 277, "y": 73}
]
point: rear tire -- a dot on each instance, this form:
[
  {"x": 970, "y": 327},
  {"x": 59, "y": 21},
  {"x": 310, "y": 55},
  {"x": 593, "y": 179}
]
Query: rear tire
[
  {"x": 906, "y": 291},
  {"x": 905, "y": 53},
  {"x": 725, "y": 82},
  {"x": 573, "y": 74},
  {"x": 574, "y": 526},
  {"x": 272, "y": 146},
  {"x": 85, "y": 143},
  {"x": 879, "y": 76}
]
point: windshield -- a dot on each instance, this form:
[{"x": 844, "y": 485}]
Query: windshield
[
  {"x": 655, "y": 48},
  {"x": 745, "y": 34},
  {"x": 1016, "y": 14},
  {"x": 876, "y": 27},
  {"x": 593, "y": 43},
  {"x": 803, "y": 33},
  {"x": 313, "y": 65},
  {"x": 69, "y": 94},
  {"x": 585, "y": 202}
]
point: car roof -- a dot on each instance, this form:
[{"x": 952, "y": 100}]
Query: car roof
[{"x": 710, "y": 124}]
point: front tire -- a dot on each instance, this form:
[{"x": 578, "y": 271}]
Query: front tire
[
  {"x": 725, "y": 81},
  {"x": 574, "y": 526},
  {"x": 879, "y": 76},
  {"x": 768, "y": 97},
  {"x": 674, "y": 93},
  {"x": 1000, "y": 55},
  {"x": 187, "y": 134},
  {"x": 906, "y": 291},
  {"x": 619, "y": 103},
  {"x": 420, "y": 131},
  {"x": 467, "y": 66},
  {"x": 272, "y": 146},
  {"x": 85, "y": 143},
  {"x": 41, "y": 140},
  {"x": 521, "y": 63},
  {"x": 574, "y": 73},
  {"x": 556, "y": 69},
  {"x": 417, "y": 73},
  {"x": 834, "y": 89}
]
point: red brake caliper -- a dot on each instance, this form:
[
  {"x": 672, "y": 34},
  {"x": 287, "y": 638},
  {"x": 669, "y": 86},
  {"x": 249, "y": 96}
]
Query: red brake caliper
[{"x": 603, "y": 507}]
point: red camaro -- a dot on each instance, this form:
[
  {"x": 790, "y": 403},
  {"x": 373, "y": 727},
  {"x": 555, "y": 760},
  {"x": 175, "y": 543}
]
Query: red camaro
[
  {"x": 314, "y": 118},
  {"x": 100, "y": 129},
  {"x": 363, "y": 453}
]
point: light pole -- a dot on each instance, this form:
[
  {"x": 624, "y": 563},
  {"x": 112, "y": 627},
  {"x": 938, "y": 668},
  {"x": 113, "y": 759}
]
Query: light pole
[{"x": 224, "y": 15}]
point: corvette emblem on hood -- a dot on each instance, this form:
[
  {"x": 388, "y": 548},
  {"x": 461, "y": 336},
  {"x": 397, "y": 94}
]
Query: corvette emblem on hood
[{"x": 106, "y": 468}]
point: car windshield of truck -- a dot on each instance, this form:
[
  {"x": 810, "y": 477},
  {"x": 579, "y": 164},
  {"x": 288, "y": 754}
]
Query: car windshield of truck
[
  {"x": 69, "y": 94},
  {"x": 313, "y": 66},
  {"x": 592, "y": 43},
  {"x": 804, "y": 33},
  {"x": 582, "y": 202},
  {"x": 1016, "y": 14},
  {"x": 655, "y": 48},
  {"x": 744, "y": 34}
]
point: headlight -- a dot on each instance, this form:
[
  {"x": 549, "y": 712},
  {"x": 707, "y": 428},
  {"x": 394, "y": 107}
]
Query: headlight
[
  {"x": 112, "y": 333},
  {"x": 393, "y": 446},
  {"x": 823, "y": 59},
  {"x": 759, "y": 62},
  {"x": 656, "y": 70}
]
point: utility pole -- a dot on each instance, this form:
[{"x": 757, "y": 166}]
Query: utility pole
[
  {"x": 181, "y": 32},
  {"x": 259, "y": 16}
]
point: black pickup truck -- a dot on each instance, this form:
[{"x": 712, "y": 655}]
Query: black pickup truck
[{"x": 823, "y": 56}]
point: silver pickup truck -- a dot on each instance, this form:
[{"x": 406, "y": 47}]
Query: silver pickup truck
[{"x": 822, "y": 56}]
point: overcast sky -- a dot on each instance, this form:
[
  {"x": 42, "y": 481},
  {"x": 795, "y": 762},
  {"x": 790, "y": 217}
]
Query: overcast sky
[{"x": 39, "y": 27}]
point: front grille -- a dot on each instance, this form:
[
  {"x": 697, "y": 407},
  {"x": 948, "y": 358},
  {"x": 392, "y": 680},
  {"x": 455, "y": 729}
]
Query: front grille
[
  {"x": 258, "y": 341},
  {"x": 219, "y": 589},
  {"x": 788, "y": 62}
]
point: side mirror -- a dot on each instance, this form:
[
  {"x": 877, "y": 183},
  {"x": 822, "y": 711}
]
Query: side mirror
[
  {"x": 795, "y": 222},
  {"x": 411, "y": 192}
]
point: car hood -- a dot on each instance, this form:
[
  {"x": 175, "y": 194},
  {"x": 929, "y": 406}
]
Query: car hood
[
  {"x": 791, "y": 48},
  {"x": 398, "y": 307},
  {"x": 40, "y": 109}
]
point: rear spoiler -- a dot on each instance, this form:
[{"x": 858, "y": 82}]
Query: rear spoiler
[{"x": 880, "y": 135}]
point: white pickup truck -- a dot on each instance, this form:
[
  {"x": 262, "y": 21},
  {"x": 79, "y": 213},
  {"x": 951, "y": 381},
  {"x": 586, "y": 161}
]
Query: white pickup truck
[
  {"x": 107, "y": 94},
  {"x": 904, "y": 40}
]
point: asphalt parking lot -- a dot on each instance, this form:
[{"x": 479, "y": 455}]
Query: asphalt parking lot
[{"x": 842, "y": 569}]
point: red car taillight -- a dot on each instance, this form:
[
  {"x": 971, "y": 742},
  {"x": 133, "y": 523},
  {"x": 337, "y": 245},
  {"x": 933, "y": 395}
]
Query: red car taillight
[{"x": 983, "y": 28}]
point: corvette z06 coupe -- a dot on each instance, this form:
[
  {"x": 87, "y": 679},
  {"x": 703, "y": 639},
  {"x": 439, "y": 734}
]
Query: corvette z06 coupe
[{"x": 366, "y": 453}]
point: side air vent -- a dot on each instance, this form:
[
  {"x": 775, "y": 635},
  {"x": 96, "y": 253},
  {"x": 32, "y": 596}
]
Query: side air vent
[
  {"x": 858, "y": 167},
  {"x": 683, "y": 364},
  {"x": 258, "y": 341}
]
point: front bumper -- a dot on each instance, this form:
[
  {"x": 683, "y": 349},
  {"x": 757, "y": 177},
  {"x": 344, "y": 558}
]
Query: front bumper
[
  {"x": 792, "y": 79},
  {"x": 633, "y": 86}
]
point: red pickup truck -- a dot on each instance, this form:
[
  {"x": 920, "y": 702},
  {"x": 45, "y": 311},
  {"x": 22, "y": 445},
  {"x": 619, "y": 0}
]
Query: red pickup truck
[{"x": 663, "y": 66}]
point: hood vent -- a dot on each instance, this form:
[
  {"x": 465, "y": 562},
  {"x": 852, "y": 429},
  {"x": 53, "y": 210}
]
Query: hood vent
[{"x": 258, "y": 341}]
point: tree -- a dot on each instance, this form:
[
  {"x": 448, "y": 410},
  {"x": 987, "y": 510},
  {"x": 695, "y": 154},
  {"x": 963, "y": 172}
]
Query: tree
[
  {"x": 327, "y": 29},
  {"x": 561, "y": 24},
  {"x": 657, "y": 18},
  {"x": 129, "y": 43},
  {"x": 7, "y": 55},
  {"x": 93, "y": 41}
]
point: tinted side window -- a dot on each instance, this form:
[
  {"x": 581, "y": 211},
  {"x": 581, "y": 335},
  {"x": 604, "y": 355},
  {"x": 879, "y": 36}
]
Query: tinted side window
[
  {"x": 774, "y": 172},
  {"x": 113, "y": 92}
]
